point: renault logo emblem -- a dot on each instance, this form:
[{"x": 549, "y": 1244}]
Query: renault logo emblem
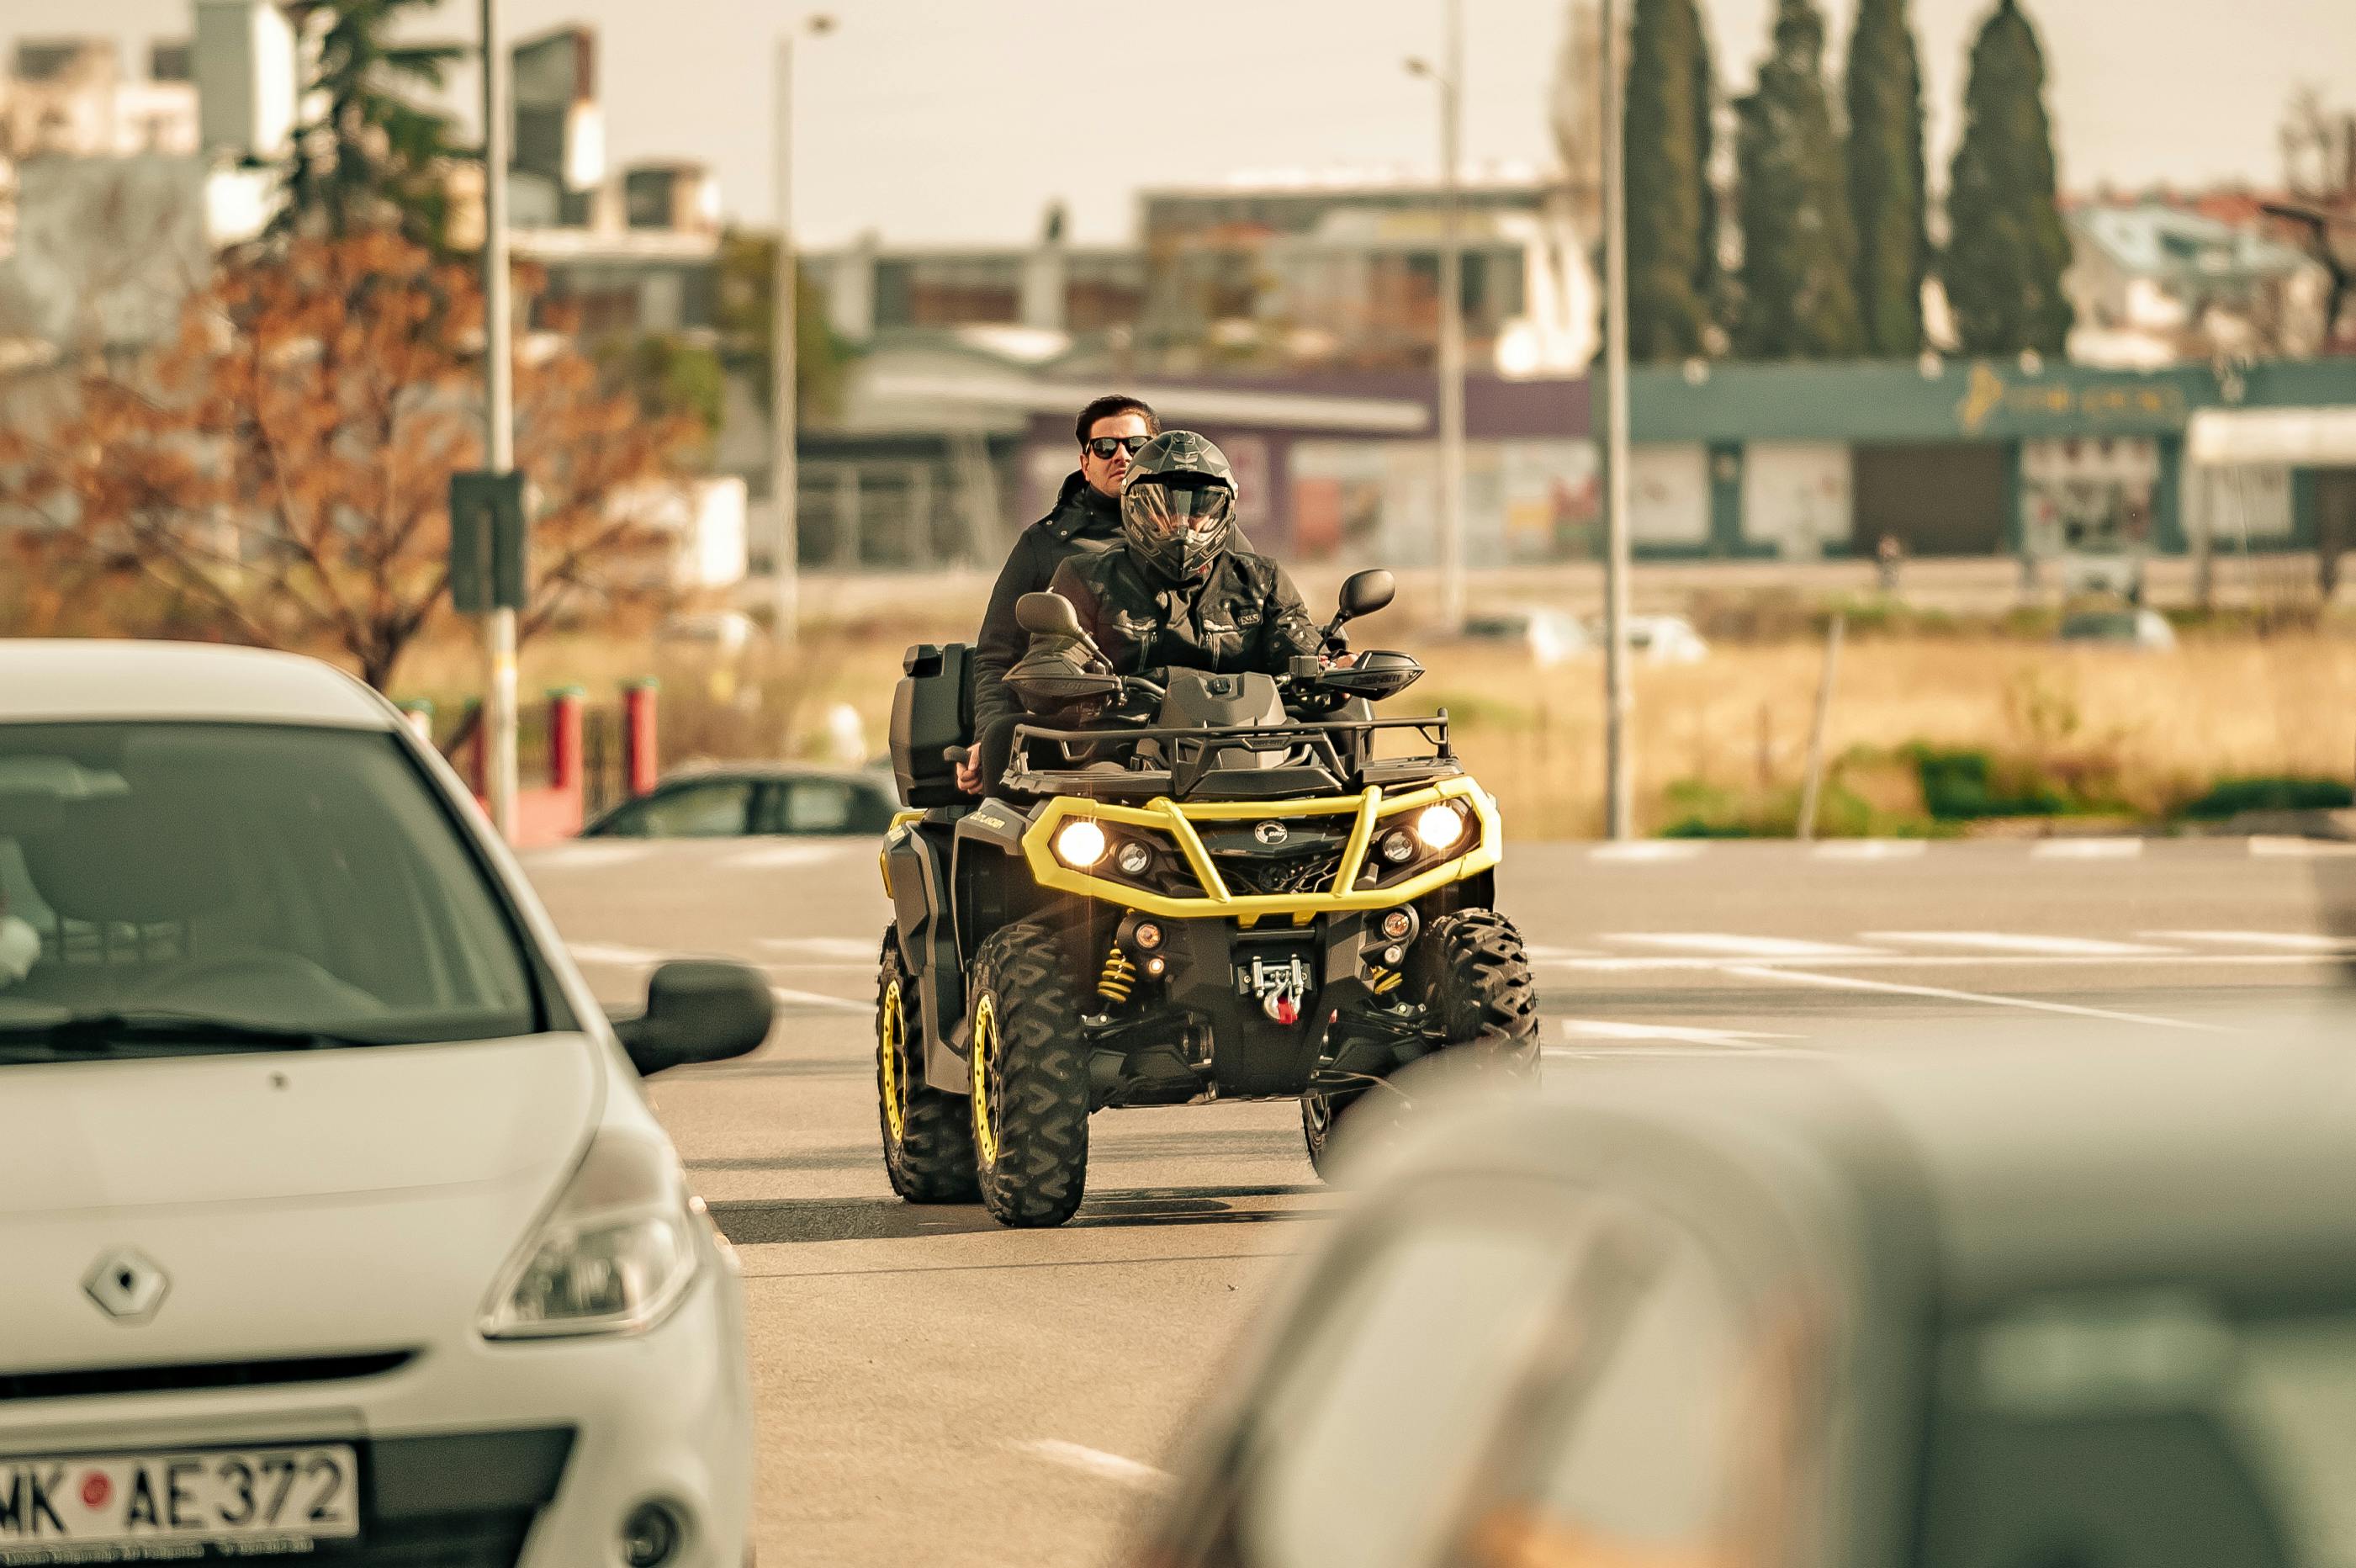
[
  {"x": 127, "y": 1286},
  {"x": 1271, "y": 832}
]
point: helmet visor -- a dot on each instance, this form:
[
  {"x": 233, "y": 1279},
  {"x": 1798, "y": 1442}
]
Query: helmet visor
[{"x": 1163, "y": 515}]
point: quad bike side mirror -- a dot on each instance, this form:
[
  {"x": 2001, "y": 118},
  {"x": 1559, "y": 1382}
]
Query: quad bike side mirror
[
  {"x": 1364, "y": 592},
  {"x": 1048, "y": 615}
]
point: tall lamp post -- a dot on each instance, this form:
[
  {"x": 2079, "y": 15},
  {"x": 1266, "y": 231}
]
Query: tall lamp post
[
  {"x": 785, "y": 468},
  {"x": 498, "y": 417},
  {"x": 1619, "y": 805},
  {"x": 1448, "y": 77}
]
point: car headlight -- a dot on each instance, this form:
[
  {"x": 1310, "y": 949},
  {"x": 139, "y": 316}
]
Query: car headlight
[
  {"x": 614, "y": 1255},
  {"x": 1080, "y": 844},
  {"x": 1439, "y": 827}
]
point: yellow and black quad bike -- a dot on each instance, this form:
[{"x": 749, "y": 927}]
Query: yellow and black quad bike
[{"x": 1202, "y": 887}]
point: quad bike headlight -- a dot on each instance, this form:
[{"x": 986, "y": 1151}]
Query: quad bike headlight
[
  {"x": 1439, "y": 827},
  {"x": 1397, "y": 847},
  {"x": 1080, "y": 844},
  {"x": 1134, "y": 859}
]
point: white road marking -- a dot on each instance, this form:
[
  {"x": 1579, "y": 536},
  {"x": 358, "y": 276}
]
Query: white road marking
[
  {"x": 1605, "y": 1029},
  {"x": 1940, "y": 993},
  {"x": 1870, "y": 849},
  {"x": 1541, "y": 953},
  {"x": 2277, "y": 847},
  {"x": 818, "y": 999},
  {"x": 1935, "y": 961},
  {"x": 1725, "y": 944},
  {"x": 846, "y": 948},
  {"x": 1096, "y": 1462},
  {"x": 615, "y": 953},
  {"x": 2021, "y": 943},
  {"x": 2086, "y": 849},
  {"x": 2292, "y": 941},
  {"x": 783, "y": 856},
  {"x": 1648, "y": 849},
  {"x": 586, "y": 855}
]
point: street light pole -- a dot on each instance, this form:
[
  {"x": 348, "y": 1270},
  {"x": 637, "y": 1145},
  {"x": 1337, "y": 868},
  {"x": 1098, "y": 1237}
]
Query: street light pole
[
  {"x": 1619, "y": 806},
  {"x": 785, "y": 471},
  {"x": 1451, "y": 331},
  {"x": 785, "y": 466},
  {"x": 1449, "y": 76},
  {"x": 498, "y": 416}
]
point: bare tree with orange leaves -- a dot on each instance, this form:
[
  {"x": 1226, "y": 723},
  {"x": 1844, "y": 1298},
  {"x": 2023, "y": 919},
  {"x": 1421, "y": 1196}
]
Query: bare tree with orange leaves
[{"x": 279, "y": 473}]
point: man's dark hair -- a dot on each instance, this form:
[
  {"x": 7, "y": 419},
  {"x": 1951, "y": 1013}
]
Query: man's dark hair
[{"x": 1107, "y": 407}]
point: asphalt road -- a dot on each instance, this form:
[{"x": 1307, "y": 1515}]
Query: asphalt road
[{"x": 934, "y": 1388}]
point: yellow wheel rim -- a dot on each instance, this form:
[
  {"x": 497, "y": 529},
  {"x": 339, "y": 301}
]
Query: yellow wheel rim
[
  {"x": 891, "y": 1037},
  {"x": 985, "y": 1042}
]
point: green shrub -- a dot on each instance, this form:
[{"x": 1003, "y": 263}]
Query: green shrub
[{"x": 2230, "y": 797}]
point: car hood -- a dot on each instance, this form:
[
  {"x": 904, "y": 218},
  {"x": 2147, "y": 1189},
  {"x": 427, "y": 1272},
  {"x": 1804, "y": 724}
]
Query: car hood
[
  {"x": 296, "y": 1202},
  {"x": 277, "y": 1125}
]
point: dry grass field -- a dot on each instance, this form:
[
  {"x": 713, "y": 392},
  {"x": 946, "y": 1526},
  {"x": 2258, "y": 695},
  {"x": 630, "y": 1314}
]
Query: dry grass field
[{"x": 2135, "y": 733}]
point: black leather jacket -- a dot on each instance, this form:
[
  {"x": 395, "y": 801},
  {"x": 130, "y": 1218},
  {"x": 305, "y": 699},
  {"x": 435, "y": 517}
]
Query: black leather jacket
[
  {"x": 1245, "y": 618},
  {"x": 1084, "y": 521}
]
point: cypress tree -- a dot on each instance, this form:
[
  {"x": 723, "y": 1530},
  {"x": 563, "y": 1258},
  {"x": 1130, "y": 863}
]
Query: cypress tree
[
  {"x": 1886, "y": 177},
  {"x": 1799, "y": 298},
  {"x": 369, "y": 158},
  {"x": 1668, "y": 275},
  {"x": 2008, "y": 249},
  {"x": 1708, "y": 282}
]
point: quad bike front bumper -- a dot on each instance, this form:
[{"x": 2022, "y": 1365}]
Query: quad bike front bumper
[{"x": 1358, "y": 883}]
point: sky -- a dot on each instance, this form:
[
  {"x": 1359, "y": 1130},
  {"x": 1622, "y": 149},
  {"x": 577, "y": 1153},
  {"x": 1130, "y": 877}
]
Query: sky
[{"x": 944, "y": 122}]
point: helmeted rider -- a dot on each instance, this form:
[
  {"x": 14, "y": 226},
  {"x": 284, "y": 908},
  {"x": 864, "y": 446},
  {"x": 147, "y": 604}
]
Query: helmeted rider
[{"x": 1182, "y": 593}]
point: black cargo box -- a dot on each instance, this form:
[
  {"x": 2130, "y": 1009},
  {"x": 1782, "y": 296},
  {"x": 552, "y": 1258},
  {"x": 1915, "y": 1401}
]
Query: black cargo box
[{"x": 931, "y": 711}]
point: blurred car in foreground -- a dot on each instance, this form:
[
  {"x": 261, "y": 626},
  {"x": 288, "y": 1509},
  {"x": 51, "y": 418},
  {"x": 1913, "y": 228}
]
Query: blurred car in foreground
[
  {"x": 1989, "y": 1309},
  {"x": 755, "y": 799},
  {"x": 334, "y": 1223},
  {"x": 2120, "y": 628}
]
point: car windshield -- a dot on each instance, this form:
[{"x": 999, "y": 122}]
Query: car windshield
[
  {"x": 2147, "y": 1430},
  {"x": 176, "y": 887}
]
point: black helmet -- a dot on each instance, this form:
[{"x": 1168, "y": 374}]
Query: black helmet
[{"x": 1178, "y": 506}]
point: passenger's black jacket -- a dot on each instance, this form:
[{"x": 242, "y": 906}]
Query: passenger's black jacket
[
  {"x": 1245, "y": 618},
  {"x": 1084, "y": 520}
]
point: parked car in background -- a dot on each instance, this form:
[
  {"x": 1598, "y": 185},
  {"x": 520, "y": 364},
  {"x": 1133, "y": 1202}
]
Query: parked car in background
[
  {"x": 336, "y": 1227},
  {"x": 1658, "y": 639},
  {"x": 1888, "y": 1309},
  {"x": 755, "y": 799},
  {"x": 728, "y": 630},
  {"x": 2146, "y": 630},
  {"x": 1551, "y": 635}
]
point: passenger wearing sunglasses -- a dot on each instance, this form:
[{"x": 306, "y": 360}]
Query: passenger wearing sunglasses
[{"x": 1085, "y": 519}]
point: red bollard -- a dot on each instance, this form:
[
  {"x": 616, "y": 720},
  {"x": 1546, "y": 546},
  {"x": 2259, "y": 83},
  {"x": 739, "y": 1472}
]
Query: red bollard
[
  {"x": 564, "y": 711},
  {"x": 638, "y": 760}
]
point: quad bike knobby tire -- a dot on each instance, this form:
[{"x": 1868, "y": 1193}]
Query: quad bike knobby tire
[
  {"x": 1030, "y": 1098},
  {"x": 928, "y": 1134},
  {"x": 1473, "y": 978}
]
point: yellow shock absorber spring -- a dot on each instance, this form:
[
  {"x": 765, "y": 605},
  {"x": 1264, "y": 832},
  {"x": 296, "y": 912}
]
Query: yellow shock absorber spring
[
  {"x": 1383, "y": 981},
  {"x": 1118, "y": 977}
]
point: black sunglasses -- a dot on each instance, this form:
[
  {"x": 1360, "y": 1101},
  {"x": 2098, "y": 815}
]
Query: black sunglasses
[{"x": 1104, "y": 447}]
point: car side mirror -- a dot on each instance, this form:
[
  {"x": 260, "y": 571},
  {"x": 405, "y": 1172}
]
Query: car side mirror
[
  {"x": 698, "y": 1010},
  {"x": 1047, "y": 615},
  {"x": 1364, "y": 592}
]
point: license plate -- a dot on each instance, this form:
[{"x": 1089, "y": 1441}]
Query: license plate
[{"x": 174, "y": 1506}]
